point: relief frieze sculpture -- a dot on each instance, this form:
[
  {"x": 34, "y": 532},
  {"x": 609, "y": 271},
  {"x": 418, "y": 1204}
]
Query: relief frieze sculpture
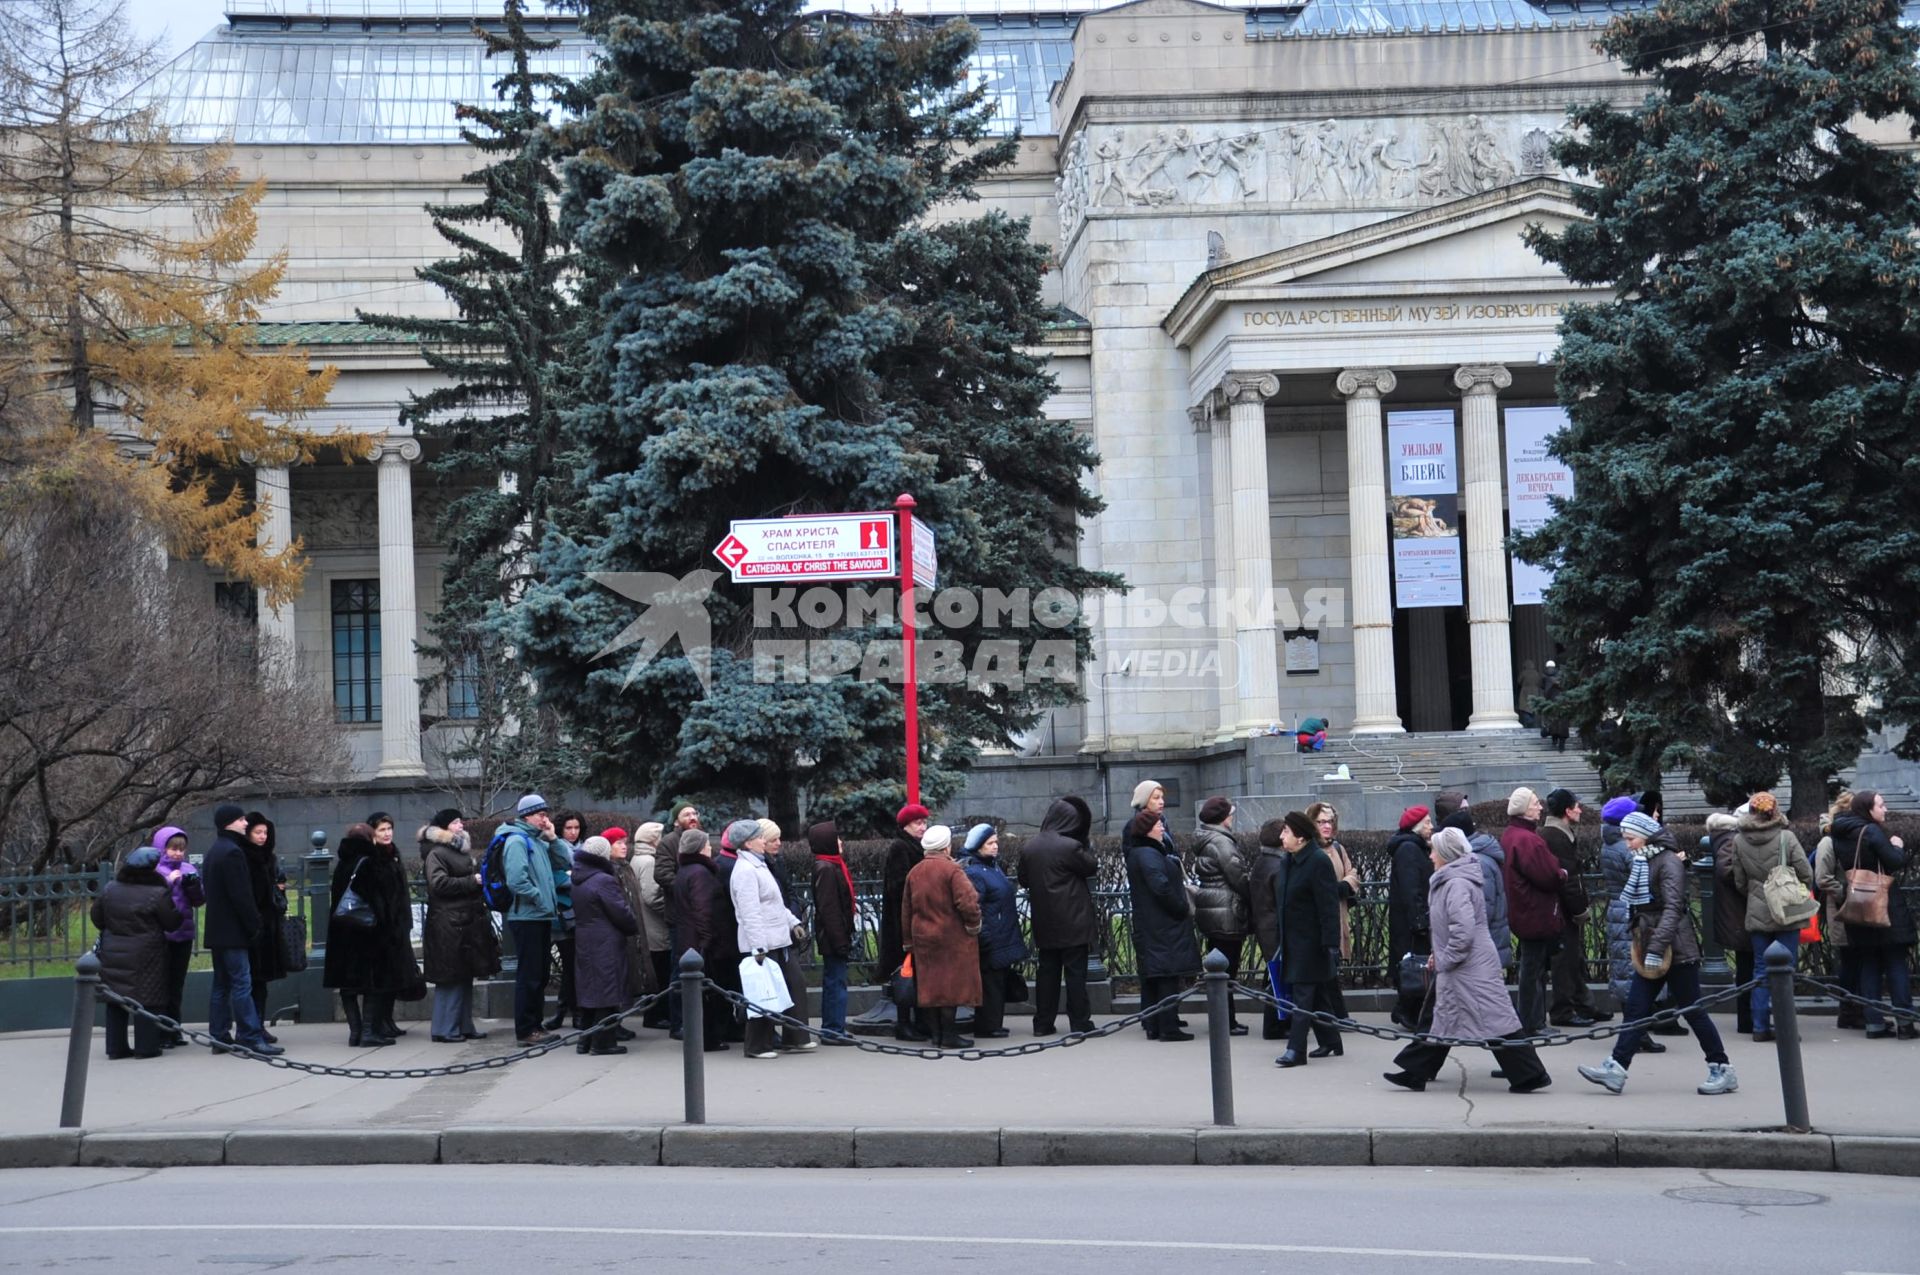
[{"x": 1329, "y": 163}]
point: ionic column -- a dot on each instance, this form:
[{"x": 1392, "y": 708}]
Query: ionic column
[
  {"x": 271, "y": 494},
  {"x": 1220, "y": 450},
  {"x": 399, "y": 621},
  {"x": 1375, "y": 700},
  {"x": 1487, "y": 613},
  {"x": 1259, "y": 653}
]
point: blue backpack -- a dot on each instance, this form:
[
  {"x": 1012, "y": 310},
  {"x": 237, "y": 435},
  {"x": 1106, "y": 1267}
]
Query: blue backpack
[{"x": 493, "y": 873}]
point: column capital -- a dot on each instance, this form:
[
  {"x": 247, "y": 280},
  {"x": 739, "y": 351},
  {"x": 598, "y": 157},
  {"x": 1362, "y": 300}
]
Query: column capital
[
  {"x": 1365, "y": 382},
  {"x": 1240, "y": 389},
  {"x": 397, "y": 449},
  {"x": 1482, "y": 378},
  {"x": 1201, "y": 415}
]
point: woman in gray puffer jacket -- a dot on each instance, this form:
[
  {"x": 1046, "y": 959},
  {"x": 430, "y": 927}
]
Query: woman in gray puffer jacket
[
  {"x": 1221, "y": 906},
  {"x": 1616, "y": 861}
]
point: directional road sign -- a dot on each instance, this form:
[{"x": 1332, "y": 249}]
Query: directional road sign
[{"x": 810, "y": 547}]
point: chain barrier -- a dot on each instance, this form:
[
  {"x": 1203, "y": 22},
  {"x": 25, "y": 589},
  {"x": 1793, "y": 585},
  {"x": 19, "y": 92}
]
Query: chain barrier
[
  {"x": 1839, "y": 993},
  {"x": 971, "y": 1054},
  {"x": 376, "y": 1073},
  {"x": 1541, "y": 1040}
]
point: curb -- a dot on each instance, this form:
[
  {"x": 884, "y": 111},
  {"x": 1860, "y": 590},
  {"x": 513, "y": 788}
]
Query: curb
[{"x": 844, "y": 1147}]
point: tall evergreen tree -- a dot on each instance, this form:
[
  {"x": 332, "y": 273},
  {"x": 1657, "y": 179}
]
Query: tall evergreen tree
[
  {"x": 782, "y": 331},
  {"x": 505, "y": 355},
  {"x": 1742, "y": 557}
]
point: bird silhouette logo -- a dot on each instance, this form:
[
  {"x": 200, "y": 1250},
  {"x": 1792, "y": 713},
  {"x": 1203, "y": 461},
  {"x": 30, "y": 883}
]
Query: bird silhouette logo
[{"x": 675, "y": 608}]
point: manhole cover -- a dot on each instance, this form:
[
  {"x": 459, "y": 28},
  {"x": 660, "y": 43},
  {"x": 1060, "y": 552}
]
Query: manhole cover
[{"x": 1745, "y": 1196}]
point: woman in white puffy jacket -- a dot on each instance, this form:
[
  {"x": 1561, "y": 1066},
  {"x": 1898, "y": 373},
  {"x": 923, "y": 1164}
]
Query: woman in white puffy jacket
[{"x": 766, "y": 932}]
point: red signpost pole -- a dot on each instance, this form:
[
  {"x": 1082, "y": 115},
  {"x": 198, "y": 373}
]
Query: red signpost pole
[{"x": 905, "y": 505}]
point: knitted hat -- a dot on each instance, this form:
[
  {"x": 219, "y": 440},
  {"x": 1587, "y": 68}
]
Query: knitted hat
[
  {"x": 1143, "y": 792},
  {"x": 738, "y": 833},
  {"x": 1763, "y": 803},
  {"x": 649, "y": 834},
  {"x": 1619, "y": 808},
  {"x": 613, "y": 834},
  {"x": 597, "y": 845},
  {"x": 1640, "y": 825},
  {"x": 937, "y": 837},
  {"x": 673, "y": 815},
  {"x": 911, "y": 811},
  {"x": 226, "y": 813},
  {"x": 824, "y": 838},
  {"x": 1521, "y": 802},
  {"x": 531, "y": 804},
  {"x": 978, "y": 836},
  {"x": 444, "y": 819},
  {"x": 1215, "y": 810},
  {"x": 1450, "y": 844},
  {"x": 1411, "y": 816}
]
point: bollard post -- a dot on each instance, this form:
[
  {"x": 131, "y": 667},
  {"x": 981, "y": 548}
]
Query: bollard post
[
  {"x": 1219, "y": 1036},
  {"x": 693, "y": 1034},
  {"x": 1786, "y": 1037},
  {"x": 86, "y": 991}
]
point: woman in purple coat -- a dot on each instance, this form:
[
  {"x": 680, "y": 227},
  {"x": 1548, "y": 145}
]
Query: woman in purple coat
[
  {"x": 1469, "y": 996},
  {"x": 183, "y": 880},
  {"x": 603, "y": 922}
]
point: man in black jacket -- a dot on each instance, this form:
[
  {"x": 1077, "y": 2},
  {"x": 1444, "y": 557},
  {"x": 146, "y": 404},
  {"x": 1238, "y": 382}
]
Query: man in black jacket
[
  {"x": 233, "y": 922},
  {"x": 1572, "y": 1004},
  {"x": 1055, "y": 867}
]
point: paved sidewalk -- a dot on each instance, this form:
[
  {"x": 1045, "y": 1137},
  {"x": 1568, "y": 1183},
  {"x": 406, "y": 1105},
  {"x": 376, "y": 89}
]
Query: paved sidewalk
[{"x": 1121, "y": 1081}]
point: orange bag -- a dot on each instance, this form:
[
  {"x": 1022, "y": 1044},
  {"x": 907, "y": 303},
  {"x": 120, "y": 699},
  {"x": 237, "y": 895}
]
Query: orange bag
[{"x": 1810, "y": 932}]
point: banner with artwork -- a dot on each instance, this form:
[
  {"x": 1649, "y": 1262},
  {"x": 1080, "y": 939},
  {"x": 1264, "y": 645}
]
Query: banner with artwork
[
  {"x": 1423, "y": 505},
  {"x": 1534, "y": 477}
]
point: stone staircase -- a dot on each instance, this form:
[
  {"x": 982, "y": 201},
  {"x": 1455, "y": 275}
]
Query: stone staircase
[{"x": 1417, "y": 765}]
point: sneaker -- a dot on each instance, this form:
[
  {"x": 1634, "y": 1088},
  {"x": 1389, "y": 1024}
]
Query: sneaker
[
  {"x": 771, "y": 1053},
  {"x": 1720, "y": 1079},
  {"x": 809, "y": 1044},
  {"x": 1610, "y": 1075}
]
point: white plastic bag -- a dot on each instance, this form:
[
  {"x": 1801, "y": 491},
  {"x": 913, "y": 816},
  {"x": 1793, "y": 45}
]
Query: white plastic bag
[{"x": 764, "y": 987}]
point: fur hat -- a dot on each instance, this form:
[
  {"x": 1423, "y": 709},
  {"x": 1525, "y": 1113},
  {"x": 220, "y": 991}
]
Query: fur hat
[
  {"x": 1521, "y": 802},
  {"x": 1215, "y": 810},
  {"x": 444, "y": 819}
]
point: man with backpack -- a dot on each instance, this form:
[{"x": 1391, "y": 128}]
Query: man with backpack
[{"x": 529, "y": 854}]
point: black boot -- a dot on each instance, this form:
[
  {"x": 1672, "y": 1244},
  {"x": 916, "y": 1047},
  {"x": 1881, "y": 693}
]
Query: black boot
[
  {"x": 350, "y": 1006},
  {"x": 371, "y": 1034},
  {"x": 604, "y": 1042},
  {"x": 387, "y": 1026}
]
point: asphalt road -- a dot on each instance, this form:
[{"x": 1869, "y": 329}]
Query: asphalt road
[{"x": 1096, "y": 1221}]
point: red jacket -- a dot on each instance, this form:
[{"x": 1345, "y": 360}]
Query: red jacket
[{"x": 1534, "y": 880}]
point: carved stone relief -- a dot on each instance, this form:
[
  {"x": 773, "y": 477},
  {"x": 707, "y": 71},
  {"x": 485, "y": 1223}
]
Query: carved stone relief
[
  {"x": 1330, "y": 163},
  {"x": 349, "y": 518}
]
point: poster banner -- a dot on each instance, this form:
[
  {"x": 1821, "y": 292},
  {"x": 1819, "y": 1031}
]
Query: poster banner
[
  {"x": 1423, "y": 506},
  {"x": 1534, "y": 478}
]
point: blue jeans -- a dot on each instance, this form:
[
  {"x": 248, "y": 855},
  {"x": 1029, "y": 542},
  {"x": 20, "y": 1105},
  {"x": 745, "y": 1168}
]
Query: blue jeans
[
  {"x": 833, "y": 994},
  {"x": 1762, "y": 994},
  {"x": 533, "y": 943},
  {"x": 1683, "y": 983},
  {"x": 231, "y": 1014},
  {"x": 1884, "y": 976}
]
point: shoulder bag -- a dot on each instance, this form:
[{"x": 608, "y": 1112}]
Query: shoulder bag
[
  {"x": 1789, "y": 903},
  {"x": 903, "y": 991},
  {"x": 1866, "y": 903},
  {"x": 353, "y": 910}
]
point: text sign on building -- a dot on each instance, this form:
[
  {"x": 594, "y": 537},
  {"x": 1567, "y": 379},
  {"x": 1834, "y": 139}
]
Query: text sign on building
[
  {"x": 1424, "y": 486},
  {"x": 1534, "y": 477},
  {"x": 810, "y": 547}
]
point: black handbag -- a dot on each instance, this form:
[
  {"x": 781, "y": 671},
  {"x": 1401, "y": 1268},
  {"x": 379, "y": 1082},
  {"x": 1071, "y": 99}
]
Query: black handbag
[
  {"x": 352, "y": 910},
  {"x": 1016, "y": 986},
  {"x": 1415, "y": 982},
  {"x": 293, "y": 943},
  {"x": 902, "y": 989}
]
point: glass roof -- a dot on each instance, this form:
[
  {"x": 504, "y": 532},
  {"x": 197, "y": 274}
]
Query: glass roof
[
  {"x": 1363, "y": 17},
  {"x": 319, "y": 82}
]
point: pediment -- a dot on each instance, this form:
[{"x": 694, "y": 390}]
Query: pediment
[{"x": 1472, "y": 239}]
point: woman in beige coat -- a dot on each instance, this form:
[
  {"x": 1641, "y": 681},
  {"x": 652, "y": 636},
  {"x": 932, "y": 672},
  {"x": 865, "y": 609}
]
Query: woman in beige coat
[{"x": 1326, "y": 822}]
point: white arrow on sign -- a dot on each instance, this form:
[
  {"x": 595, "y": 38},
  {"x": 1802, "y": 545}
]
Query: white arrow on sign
[{"x": 810, "y": 547}]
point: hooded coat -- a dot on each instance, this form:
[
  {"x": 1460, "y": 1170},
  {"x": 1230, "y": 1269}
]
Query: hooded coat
[
  {"x": 1055, "y": 865},
  {"x": 1470, "y": 998},
  {"x": 603, "y": 924},
  {"x": 1862, "y": 843},
  {"x": 133, "y": 913},
  {"x": 1535, "y": 882},
  {"x": 1000, "y": 943},
  {"x": 265, "y": 877},
  {"x": 832, "y": 907},
  {"x": 1756, "y": 852},
  {"x": 189, "y": 892},
  {"x": 939, "y": 922},
  {"x": 1163, "y": 940},
  {"x": 1616, "y": 861},
  {"x": 1408, "y": 927},
  {"x": 1221, "y": 907},
  {"x": 377, "y": 959},
  {"x": 459, "y": 941}
]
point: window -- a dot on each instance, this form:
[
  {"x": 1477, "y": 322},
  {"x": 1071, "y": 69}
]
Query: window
[
  {"x": 463, "y": 689},
  {"x": 356, "y": 650}
]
